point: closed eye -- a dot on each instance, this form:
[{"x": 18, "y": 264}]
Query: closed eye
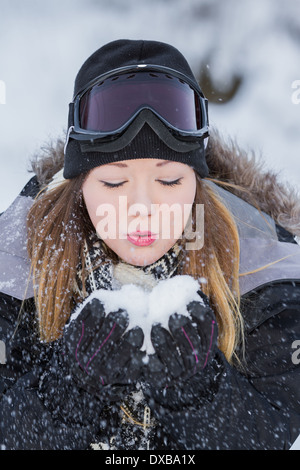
[
  {"x": 170, "y": 183},
  {"x": 162, "y": 182},
  {"x": 113, "y": 185}
]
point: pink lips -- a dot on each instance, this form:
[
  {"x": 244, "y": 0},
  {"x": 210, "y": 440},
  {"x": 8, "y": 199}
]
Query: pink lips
[{"x": 141, "y": 238}]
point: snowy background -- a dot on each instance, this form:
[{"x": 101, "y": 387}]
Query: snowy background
[{"x": 246, "y": 55}]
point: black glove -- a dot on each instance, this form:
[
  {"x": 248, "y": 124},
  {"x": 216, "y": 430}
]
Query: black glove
[
  {"x": 99, "y": 353},
  {"x": 184, "y": 368},
  {"x": 96, "y": 363}
]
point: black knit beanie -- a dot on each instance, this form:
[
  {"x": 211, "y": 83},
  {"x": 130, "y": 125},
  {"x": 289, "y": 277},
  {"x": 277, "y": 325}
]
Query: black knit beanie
[{"x": 81, "y": 158}]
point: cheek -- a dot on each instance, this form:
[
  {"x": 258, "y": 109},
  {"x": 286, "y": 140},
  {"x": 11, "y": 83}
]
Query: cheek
[
  {"x": 185, "y": 201},
  {"x": 183, "y": 196},
  {"x": 172, "y": 216},
  {"x": 99, "y": 205},
  {"x": 91, "y": 202}
]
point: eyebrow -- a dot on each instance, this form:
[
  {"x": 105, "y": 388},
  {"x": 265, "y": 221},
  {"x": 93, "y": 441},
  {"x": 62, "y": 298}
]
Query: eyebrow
[
  {"x": 119, "y": 164},
  {"x": 164, "y": 163}
]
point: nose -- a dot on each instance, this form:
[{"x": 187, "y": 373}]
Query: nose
[{"x": 141, "y": 201}]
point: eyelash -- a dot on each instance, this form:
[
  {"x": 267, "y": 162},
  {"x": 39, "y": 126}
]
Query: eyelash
[
  {"x": 170, "y": 183},
  {"x": 164, "y": 183},
  {"x": 112, "y": 185}
]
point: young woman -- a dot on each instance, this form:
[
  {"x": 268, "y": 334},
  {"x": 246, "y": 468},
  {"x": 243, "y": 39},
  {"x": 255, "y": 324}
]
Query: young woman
[{"x": 158, "y": 305}]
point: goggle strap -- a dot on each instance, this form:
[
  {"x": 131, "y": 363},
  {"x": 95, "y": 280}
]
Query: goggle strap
[
  {"x": 206, "y": 108},
  {"x": 71, "y": 115}
]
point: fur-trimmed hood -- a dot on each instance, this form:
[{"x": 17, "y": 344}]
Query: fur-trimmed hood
[{"x": 244, "y": 172}]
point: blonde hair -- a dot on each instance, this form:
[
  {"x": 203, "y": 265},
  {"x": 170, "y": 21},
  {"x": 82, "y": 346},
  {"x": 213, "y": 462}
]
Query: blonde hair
[
  {"x": 58, "y": 224},
  {"x": 217, "y": 264}
]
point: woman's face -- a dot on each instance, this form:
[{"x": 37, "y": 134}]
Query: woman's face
[{"x": 140, "y": 207}]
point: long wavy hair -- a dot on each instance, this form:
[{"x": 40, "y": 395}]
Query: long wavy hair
[{"x": 58, "y": 224}]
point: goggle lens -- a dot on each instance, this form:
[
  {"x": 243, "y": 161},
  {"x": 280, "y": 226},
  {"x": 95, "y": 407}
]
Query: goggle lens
[{"x": 111, "y": 103}]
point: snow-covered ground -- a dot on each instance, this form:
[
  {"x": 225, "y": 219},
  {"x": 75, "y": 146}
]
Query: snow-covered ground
[{"x": 43, "y": 44}]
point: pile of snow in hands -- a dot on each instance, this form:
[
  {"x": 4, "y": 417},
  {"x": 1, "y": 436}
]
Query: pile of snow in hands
[{"x": 145, "y": 308}]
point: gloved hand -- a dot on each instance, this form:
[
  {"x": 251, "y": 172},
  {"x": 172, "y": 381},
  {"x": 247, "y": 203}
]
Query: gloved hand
[
  {"x": 95, "y": 364},
  {"x": 183, "y": 365},
  {"x": 99, "y": 351}
]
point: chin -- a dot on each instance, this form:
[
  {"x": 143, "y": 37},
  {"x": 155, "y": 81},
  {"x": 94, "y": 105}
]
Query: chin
[
  {"x": 144, "y": 256},
  {"x": 141, "y": 259}
]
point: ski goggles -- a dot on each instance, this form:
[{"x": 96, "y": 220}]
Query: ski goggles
[{"x": 111, "y": 102}]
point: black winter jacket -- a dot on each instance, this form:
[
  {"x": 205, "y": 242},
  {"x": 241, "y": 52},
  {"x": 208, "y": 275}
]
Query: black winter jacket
[{"x": 257, "y": 407}]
